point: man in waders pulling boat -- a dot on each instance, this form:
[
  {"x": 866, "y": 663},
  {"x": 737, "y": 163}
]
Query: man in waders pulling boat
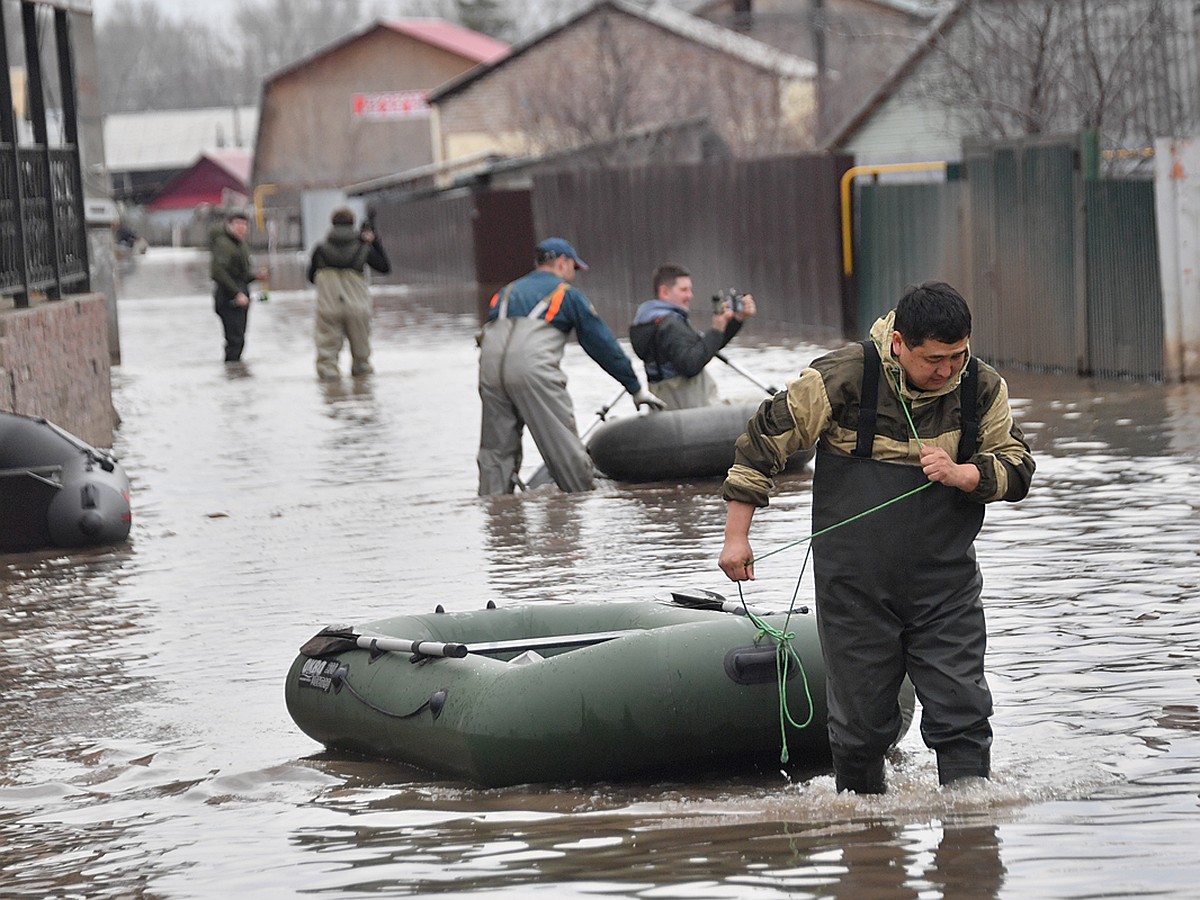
[
  {"x": 521, "y": 383},
  {"x": 898, "y": 591}
]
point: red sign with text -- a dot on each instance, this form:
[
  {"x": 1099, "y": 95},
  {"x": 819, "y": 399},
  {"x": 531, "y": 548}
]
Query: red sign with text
[{"x": 391, "y": 105}]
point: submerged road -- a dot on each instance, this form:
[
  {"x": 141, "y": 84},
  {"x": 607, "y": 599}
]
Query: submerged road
[{"x": 145, "y": 750}]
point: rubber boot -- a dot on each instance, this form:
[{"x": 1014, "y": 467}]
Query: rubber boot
[
  {"x": 866, "y": 780},
  {"x": 973, "y": 763}
]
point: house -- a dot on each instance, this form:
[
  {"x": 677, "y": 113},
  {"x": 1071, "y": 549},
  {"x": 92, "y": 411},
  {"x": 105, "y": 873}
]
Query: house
[
  {"x": 217, "y": 179},
  {"x": 206, "y": 181},
  {"x": 854, "y": 43},
  {"x": 356, "y": 109},
  {"x": 618, "y": 66},
  {"x": 999, "y": 69},
  {"x": 144, "y": 151}
]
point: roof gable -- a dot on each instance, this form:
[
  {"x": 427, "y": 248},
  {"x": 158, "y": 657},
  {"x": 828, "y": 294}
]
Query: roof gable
[
  {"x": 661, "y": 15},
  {"x": 205, "y": 181},
  {"x": 896, "y": 79},
  {"x": 1135, "y": 77},
  {"x": 236, "y": 162},
  {"x": 463, "y": 42}
]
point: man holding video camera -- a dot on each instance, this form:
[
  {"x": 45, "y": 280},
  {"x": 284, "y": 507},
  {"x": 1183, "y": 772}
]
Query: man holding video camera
[{"x": 675, "y": 353}]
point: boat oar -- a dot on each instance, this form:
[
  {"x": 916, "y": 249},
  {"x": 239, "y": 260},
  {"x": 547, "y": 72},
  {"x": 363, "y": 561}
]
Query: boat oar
[
  {"x": 766, "y": 387},
  {"x": 542, "y": 475},
  {"x": 702, "y": 599},
  {"x": 339, "y": 639}
]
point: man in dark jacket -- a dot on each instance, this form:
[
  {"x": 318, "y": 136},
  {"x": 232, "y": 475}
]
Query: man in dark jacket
[
  {"x": 232, "y": 273},
  {"x": 907, "y": 416},
  {"x": 675, "y": 353},
  {"x": 343, "y": 301}
]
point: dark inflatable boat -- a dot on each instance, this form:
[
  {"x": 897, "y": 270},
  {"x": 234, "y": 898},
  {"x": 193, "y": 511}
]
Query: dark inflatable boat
[
  {"x": 677, "y": 444},
  {"x": 56, "y": 490}
]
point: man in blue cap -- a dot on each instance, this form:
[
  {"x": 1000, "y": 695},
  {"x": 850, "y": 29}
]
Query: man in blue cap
[{"x": 520, "y": 379}]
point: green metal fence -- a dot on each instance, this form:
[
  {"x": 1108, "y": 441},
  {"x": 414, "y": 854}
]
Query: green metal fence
[
  {"x": 909, "y": 233},
  {"x": 1061, "y": 270},
  {"x": 1124, "y": 288}
]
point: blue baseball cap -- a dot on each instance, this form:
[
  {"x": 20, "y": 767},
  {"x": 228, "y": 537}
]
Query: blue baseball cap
[{"x": 552, "y": 248}]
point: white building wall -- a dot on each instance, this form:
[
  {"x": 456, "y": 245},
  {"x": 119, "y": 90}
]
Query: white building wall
[
  {"x": 903, "y": 131},
  {"x": 1177, "y": 210}
]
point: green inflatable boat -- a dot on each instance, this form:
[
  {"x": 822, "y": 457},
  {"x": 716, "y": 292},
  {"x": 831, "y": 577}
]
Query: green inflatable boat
[{"x": 556, "y": 692}]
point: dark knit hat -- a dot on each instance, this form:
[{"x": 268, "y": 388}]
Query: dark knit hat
[{"x": 343, "y": 215}]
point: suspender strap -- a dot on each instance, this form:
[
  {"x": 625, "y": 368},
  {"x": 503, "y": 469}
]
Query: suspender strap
[
  {"x": 549, "y": 304},
  {"x": 968, "y": 398},
  {"x": 968, "y": 441},
  {"x": 502, "y": 297},
  {"x": 868, "y": 403}
]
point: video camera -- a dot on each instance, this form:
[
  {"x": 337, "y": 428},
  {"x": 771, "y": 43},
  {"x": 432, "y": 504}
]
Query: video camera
[{"x": 728, "y": 298}]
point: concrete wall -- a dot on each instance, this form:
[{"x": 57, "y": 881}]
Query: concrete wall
[{"x": 54, "y": 363}]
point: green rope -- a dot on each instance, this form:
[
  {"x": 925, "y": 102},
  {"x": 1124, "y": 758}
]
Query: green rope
[
  {"x": 783, "y": 649},
  {"x": 782, "y": 637},
  {"x": 853, "y": 518}
]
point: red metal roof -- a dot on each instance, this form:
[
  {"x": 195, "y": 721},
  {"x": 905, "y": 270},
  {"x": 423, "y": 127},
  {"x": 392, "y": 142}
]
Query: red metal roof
[
  {"x": 440, "y": 33},
  {"x": 236, "y": 161},
  {"x": 204, "y": 180}
]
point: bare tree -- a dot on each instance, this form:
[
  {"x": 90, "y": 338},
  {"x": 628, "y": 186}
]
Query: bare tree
[
  {"x": 1028, "y": 67},
  {"x": 152, "y": 61},
  {"x": 277, "y": 33}
]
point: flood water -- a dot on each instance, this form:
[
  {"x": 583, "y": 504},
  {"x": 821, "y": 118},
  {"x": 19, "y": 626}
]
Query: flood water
[{"x": 145, "y": 749}]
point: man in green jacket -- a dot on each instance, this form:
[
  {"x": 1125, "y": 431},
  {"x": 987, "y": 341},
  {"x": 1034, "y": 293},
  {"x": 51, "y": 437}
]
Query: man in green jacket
[
  {"x": 231, "y": 272},
  {"x": 907, "y": 414}
]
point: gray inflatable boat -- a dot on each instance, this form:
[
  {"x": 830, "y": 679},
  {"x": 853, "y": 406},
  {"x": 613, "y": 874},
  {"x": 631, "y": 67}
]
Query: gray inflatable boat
[
  {"x": 676, "y": 444},
  {"x": 56, "y": 490}
]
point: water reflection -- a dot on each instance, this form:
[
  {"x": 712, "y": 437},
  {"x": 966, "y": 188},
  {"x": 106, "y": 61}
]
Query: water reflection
[
  {"x": 688, "y": 842},
  {"x": 531, "y": 542}
]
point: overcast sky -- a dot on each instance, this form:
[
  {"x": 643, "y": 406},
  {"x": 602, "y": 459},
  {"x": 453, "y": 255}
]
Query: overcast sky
[
  {"x": 100, "y": 8},
  {"x": 538, "y": 9}
]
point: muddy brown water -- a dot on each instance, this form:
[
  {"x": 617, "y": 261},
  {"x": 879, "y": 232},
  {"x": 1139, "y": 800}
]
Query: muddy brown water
[{"x": 145, "y": 750}]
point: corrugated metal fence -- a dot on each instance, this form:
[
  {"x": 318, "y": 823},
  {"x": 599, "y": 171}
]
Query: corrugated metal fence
[
  {"x": 1125, "y": 297},
  {"x": 1061, "y": 271},
  {"x": 429, "y": 239},
  {"x": 769, "y": 227}
]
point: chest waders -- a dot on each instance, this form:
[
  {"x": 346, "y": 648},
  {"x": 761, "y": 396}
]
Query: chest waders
[
  {"x": 898, "y": 592},
  {"x": 521, "y": 383},
  {"x": 343, "y": 312},
  {"x": 677, "y": 391},
  {"x": 687, "y": 393}
]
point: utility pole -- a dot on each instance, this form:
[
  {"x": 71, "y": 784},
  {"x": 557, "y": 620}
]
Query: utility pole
[{"x": 818, "y": 25}]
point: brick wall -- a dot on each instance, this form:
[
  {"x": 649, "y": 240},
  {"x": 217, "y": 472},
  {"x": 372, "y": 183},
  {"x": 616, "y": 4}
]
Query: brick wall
[{"x": 54, "y": 363}]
